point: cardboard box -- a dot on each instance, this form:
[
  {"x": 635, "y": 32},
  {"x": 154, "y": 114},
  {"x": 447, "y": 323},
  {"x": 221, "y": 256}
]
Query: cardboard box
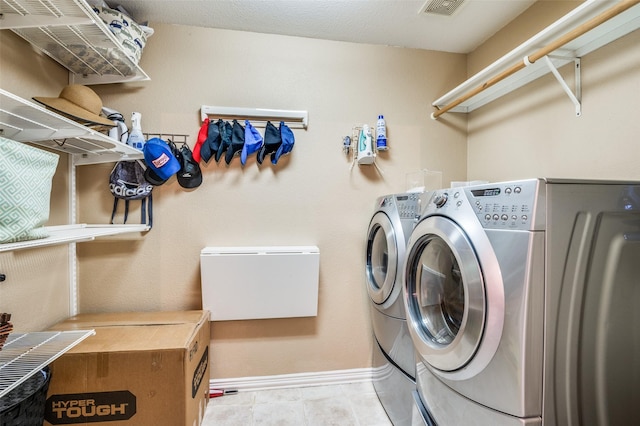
[{"x": 142, "y": 368}]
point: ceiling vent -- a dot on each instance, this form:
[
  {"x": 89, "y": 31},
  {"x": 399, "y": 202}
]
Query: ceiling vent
[{"x": 440, "y": 7}]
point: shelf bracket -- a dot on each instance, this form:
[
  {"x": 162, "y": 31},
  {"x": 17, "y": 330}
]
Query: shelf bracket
[{"x": 576, "y": 98}]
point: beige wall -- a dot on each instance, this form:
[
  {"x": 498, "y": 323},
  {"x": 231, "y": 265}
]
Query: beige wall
[
  {"x": 537, "y": 17},
  {"x": 310, "y": 198},
  {"x": 37, "y": 286},
  {"x": 534, "y": 131}
]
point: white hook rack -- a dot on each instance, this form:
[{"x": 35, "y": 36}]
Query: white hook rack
[
  {"x": 257, "y": 116},
  {"x": 176, "y": 138}
]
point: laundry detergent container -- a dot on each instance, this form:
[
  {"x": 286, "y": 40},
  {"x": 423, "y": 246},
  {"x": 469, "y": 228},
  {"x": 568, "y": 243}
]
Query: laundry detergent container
[{"x": 240, "y": 283}]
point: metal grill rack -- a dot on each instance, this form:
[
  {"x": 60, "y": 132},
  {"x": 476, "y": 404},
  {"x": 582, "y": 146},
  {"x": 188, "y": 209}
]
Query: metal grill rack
[
  {"x": 24, "y": 354},
  {"x": 26, "y": 121},
  {"x": 73, "y": 35}
]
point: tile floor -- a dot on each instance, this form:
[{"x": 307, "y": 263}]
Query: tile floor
[{"x": 352, "y": 404}]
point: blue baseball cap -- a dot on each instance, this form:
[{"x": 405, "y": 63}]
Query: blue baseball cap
[
  {"x": 287, "y": 143},
  {"x": 252, "y": 141},
  {"x": 161, "y": 163}
]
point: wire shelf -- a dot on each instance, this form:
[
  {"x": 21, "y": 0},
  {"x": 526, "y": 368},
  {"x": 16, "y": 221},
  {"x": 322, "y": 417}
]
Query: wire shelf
[
  {"x": 71, "y": 33},
  {"x": 25, "y": 121},
  {"x": 24, "y": 354}
]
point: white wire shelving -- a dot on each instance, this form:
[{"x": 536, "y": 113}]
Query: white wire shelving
[
  {"x": 24, "y": 354},
  {"x": 72, "y": 34},
  {"x": 26, "y": 121}
]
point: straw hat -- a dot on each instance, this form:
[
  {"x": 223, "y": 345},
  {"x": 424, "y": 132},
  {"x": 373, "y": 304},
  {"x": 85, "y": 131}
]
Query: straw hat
[{"x": 78, "y": 102}]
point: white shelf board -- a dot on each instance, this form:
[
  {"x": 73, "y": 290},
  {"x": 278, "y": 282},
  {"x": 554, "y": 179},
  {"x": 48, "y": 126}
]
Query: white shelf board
[
  {"x": 65, "y": 234},
  {"x": 616, "y": 27},
  {"x": 511, "y": 83},
  {"x": 26, "y": 121},
  {"x": 72, "y": 34},
  {"x": 25, "y": 354},
  {"x": 296, "y": 119}
]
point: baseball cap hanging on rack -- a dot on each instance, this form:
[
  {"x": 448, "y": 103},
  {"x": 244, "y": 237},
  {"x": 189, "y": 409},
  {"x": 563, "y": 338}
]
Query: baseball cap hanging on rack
[
  {"x": 272, "y": 142},
  {"x": 252, "y": 141},
  {"x": 202, "y": 136},
  {"x": 212, "y": 144},
  {"x": 225, "y": 138},
  {"x": 160, "y": 160},
  {"x": 287, "y": 143},
  {"x": 189, "y": 176},
  {"x": 237, "y": 141}
]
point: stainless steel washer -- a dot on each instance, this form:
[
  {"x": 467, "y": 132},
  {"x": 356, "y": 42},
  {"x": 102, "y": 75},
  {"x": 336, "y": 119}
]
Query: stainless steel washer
[
  {"x": 394, "y": 361},
  {"x": 520, "y": 302}
]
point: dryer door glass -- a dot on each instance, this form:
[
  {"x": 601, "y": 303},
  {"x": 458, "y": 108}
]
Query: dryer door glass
[
  {"x": 382, "y": 258},
  {"x": 445, "y": 294},
  {"x": 440, "y": 291}
]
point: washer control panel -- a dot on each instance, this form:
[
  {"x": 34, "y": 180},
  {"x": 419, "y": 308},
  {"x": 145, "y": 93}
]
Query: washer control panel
[
  {"x": 441, "y": 199},
  {"x": 506, "y": 205},
  {"x": 408, "y": 205}
]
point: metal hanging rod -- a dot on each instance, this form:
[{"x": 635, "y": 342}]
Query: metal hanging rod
[
  {"x": 528, "y": 60},
  {"x": 176, "y": 138},
  {"x": 257, "y": 116}
]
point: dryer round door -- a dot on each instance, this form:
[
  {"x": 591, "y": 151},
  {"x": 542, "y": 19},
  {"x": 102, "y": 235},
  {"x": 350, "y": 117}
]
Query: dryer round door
[
  {"x": 382, "y": 258},
  {"x": 444, "y": 294}
]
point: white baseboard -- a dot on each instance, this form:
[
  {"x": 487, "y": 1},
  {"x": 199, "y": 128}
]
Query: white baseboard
[{"x": 320, "y": 378}]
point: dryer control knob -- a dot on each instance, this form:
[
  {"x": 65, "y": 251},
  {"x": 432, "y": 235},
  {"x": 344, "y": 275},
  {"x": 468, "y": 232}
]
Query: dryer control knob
[{"x": 440, "y": 200}]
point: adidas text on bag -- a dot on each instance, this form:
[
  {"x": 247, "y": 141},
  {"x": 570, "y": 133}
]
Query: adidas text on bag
[{"x": 127, "y": 183}]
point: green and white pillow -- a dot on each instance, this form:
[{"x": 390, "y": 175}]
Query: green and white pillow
[{"x": 25, "y": 190}]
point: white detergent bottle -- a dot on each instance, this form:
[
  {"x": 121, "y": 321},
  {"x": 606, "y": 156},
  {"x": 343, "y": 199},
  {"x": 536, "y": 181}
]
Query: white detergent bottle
[
  {"x": 381, "y": 134},
  {"x": 136, "y": 138}
]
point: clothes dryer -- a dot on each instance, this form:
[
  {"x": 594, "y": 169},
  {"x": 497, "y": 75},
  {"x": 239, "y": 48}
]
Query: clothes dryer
[
  {"x": 393, "y": 354},
  {"x": 520, "y": 300}
]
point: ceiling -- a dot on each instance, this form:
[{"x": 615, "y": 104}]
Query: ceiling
[{"x": 383, "y": 22}]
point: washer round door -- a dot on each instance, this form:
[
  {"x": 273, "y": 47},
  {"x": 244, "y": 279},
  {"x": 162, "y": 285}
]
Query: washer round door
[
  {"x": 444, "y": 294},
  {"x": 382, "y": 258}
]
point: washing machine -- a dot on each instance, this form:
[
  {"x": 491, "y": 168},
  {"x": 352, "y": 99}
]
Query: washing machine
[
  {"x": 521, "y": 300},
  {"x": 394, "y": 361}
]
